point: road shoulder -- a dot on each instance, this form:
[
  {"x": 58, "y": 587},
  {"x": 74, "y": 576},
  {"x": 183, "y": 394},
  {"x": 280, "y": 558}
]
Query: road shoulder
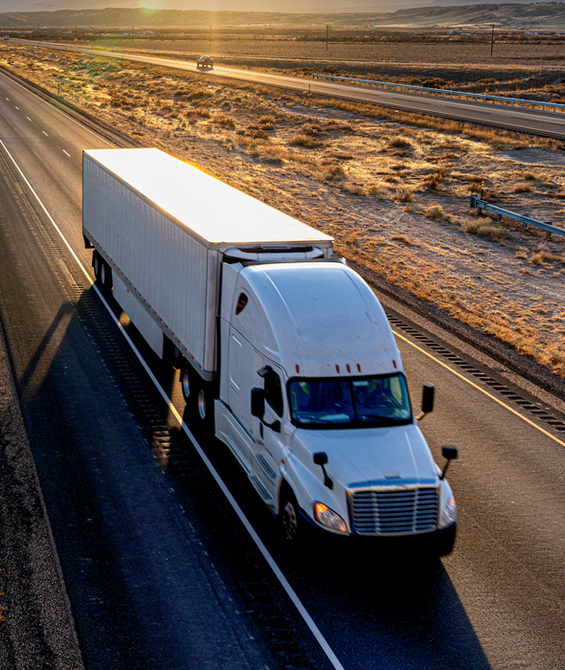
[{"x": 36, "y": 623}]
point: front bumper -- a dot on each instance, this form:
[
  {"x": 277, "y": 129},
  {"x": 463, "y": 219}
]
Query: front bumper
[{"x": 435, "y": 543}]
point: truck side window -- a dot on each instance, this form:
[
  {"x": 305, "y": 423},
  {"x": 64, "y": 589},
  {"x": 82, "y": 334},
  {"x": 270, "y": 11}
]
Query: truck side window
[
  {"x": 273, "y": 392},
  {"x": 241, "y": 303}
]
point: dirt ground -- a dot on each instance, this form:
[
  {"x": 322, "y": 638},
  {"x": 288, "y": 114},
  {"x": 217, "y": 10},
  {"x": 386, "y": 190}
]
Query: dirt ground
[{"x": 393, "y": 188}]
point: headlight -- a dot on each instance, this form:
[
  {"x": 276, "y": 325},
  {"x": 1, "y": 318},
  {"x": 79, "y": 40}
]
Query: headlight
[
  {"x": 328, "y": 518},
  {"x": 448, "y": 514}
]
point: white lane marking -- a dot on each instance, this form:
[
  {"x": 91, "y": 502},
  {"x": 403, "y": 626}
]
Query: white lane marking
[
  {"x": 66, "y": 152},
  {"x": 8, "y": 99},
  {"x": 485, "y": 392},
  {"x": 237, "y": 509},
  {"x": 46, "y": 135},
  {"x": 27, "y": 117},
  {"x": 69, "y": 118},
  {"x": 17, "y": 107}
]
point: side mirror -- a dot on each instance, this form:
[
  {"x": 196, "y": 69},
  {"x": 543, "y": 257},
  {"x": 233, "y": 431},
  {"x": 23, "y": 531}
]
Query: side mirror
[
  {"x": 321, "y": 458},
  {"x": 428, "y": 393},
  {"x": 449, "y": 453},
  {"x": 257, "y": 402}
]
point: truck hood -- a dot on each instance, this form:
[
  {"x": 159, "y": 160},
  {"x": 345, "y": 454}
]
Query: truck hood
[{"x": 369, "y": 456}]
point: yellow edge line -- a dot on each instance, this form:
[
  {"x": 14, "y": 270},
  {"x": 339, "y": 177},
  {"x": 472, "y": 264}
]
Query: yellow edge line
[{"x": 476, "y": 386}]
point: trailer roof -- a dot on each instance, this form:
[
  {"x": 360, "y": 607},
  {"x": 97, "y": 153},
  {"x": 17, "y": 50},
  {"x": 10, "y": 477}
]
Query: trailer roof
[{"x": 210, "y": 208}]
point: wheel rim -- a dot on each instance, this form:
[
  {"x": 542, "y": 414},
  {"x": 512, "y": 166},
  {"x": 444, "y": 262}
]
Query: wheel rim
[
  {"x": 96, "y": 266},
  {"x": 202, "y": 404},
  {"x": 290, "y": 520},
  {"x": 185, "y": 381},
  {"x": 103, "y": 274}
]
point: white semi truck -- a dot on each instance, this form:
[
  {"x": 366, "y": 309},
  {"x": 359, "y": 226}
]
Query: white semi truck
[{"x": 284, "y": 352}]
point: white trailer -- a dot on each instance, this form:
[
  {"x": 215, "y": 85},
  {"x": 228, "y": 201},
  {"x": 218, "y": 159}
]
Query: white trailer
[
  {"x": 284, "y": 351},
  {"x": 164, "y": 228}
]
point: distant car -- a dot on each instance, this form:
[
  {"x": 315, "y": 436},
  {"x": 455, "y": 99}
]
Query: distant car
[
  {"x": 6, "y": 38},
  {"x": 205, "y": 61}
]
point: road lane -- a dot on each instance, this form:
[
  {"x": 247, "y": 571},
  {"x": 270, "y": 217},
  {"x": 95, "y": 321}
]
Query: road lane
[
  {"x": 512, "y": 118},
  {"x": 498, "y": 600}
]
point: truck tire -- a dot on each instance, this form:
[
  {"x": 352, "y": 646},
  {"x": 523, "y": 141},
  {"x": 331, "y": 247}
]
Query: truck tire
[
  {"x": 205, "y": 405},
  {"x": 106, "y": 276},
  {"x": 290, "y": 516},
  {"x": 187, "y": 383},
  {"x": 96, "y": 264},
  {"x": 198, "y": 396}
]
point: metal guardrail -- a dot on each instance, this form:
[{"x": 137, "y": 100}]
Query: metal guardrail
[
  {"x": 551, "y": 107},
  {"x": 524, "y": 220}
]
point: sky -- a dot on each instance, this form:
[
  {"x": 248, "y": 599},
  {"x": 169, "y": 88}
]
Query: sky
[{"x": 237, "y": 5}]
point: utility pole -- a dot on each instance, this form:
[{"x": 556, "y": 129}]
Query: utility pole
[
  {"x": 492, "y": 40},
  {"x": 327, "y": 35}
]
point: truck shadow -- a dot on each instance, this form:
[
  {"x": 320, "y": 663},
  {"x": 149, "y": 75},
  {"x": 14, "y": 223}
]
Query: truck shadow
[{"x": 404, "y": 611}]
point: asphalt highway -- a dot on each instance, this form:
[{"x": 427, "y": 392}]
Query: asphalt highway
[
  {"x": 536, "y": 122},
  {"x": 161, "y": 570}
]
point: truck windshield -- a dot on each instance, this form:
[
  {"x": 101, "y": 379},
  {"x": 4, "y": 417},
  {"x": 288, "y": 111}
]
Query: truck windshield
[{"x": 351, "y": 402}]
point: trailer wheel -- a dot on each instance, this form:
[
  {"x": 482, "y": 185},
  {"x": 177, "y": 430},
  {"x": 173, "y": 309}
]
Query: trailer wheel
[
  {"x": 186, "y": 382},
  {"x": 96, "y": 264},
  {"x": 106, "y": 276}
]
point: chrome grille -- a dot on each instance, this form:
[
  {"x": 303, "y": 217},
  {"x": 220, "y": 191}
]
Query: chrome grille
[{"x": 394, "y": 511}]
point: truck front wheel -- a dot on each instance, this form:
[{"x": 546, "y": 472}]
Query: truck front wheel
[{"x": 290, "y": 518}]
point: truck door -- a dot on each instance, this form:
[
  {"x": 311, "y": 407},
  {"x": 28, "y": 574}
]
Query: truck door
[{"x": 269, "y": 449}]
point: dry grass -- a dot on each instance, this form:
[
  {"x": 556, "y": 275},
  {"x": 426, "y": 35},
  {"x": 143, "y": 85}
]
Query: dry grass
[
  {"x": 376, "y": 188},
  {"x": 434, "y": 212},
  {"x": 485, "y": 228}
]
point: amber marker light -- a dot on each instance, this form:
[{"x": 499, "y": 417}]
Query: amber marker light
[{"x": 329, "y": 519}]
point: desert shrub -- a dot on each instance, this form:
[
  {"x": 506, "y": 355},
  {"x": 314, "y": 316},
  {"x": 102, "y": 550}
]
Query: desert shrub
[
  {"x": 432, "y": 181},
  {"x": 409, "y": 242},
  {"x": 311, "y": 129},
  {"x": 399, "y": 143},
  {"x": 404, "y": 195},
  {"x": 199, "y": 112},
  {"x": 434, "y": 212},
  {"x": 484, "y": 227},
  {"x": 333, "y": 172},
  {"x": 381, "y": 191},
  {"x": 258, "y": 134},
  {"x": 355, "y": 189},
  {"x": 547, "y": 256},
  {"x": 223, "y": 121},
  {"x": 272, "y": 155},
  {"x": 303, "y": 141},
  {"x": 529, "y": 176},
  {"x": 267, "y": 121},
  {"x": 521, "y": 188},
  {"x": 199, "y": 95}
]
